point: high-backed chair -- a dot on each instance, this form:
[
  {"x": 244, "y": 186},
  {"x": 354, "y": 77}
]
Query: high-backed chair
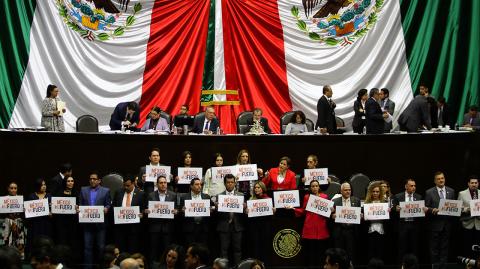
[
  {"x": 87, "y": 123},
  {"x": 113, "y": 181},
  {"x": 359, "y": 184},
  {"x": 285, "y": 119},
  {"x": 340, "y": 125},
  {"x": 242, "y": 120},
  {"x": 167, "y": 117},
  {"x": 333, "y": 188},
  {"x": 310, "y": 125}
]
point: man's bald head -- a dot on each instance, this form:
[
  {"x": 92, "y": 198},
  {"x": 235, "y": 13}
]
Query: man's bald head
[{"x": 129, "y": 263}]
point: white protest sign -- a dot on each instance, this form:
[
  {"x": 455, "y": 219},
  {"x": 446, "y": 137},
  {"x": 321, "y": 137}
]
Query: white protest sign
[
  {"x": 64, "y": 205},
  {"x": 36, "y": 208},
  {"x": 186, "y": 174},
  {"x": 348, "y": 215},
  {"x": 161, "y": 210},
  {"x": 91, "y": 214},
  {"x": 11, "y": 204},
  {"x": 260, "y": 207},
  {"x": 247, "y": 172},
  {"x": 412, "y": 209},
  {"x": 126, "y": 214},
  {"x": 197, "y": 208},
  {"x": 376, "y": 211},
  {"x": 230, "y": 203},
  {"x": 219, "y": 172},
  {"x": 283, "y": 199},
  {"x": 448, "y": 207},
  {"x": 320, "y": 174},
  {"x": 154, "y": 171},
  {"x": 475, "y": 208},
  {"x": 319, "y": 206}
]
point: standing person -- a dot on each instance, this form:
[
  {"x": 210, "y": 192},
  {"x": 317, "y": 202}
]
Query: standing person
[
  {"x": 440, "y": 226},
  {"x": 432, "y": 104},
  {"x": 359, "y": 117},
  {"x": 326, "y": 112},
  {"x": 56, "y": 183},
  {"x": 257, "y": 117},
  {"x": 297, "y": 124},
  {"x": 52, "y": 118},
  {"x": 315, "y": 232},
  {"x": 470, "y": 225},
  {"x": 246, "y": 187},
  {"x": 259, "y": 232},
  {"x": 408, "y": 228},
  {"x": 161, "y": 231},
  {"x": 388, "y": 106},
  {"x": 66, "y": 224},
  {"x": 312, "y": 162},
  {"x": 13, "y": 226},
  {"x": 281, "y": 177},
  {"x": 443, "y": 112},
  {"x": 375, "y": 122},
  {"x": 94, "y": 233},
  {"x": 230, "y": 225},
  {"x": 213, "y": 186},
  {"x": 416, "y": 116},
  {"x": 206, "y": 124},
  {"x": 343, "y": 233},
  {"x": 154, "y": 158},
  {"x": 127, "y": 115},
  {"x": 186, "y": 161},
  {"x": 376, "y": 228}
]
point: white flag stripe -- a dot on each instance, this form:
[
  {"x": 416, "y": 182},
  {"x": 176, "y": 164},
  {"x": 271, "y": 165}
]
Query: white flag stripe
[{"x": 219, "y": 82}]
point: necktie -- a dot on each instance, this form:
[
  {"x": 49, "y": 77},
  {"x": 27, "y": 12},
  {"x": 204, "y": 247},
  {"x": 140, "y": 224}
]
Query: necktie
[
  {"x": 409, "y": 197},
  {"x": 129, "y": 199},
  {"x": 442, "y": 196},
  {"x": 475, "y": 195},
  {"x": 207, "y": 126}
]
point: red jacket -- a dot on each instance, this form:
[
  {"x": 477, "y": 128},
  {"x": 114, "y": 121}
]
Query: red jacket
[
  {"x": 315, "y": 226},
  {"x": 289, "y": 183}
]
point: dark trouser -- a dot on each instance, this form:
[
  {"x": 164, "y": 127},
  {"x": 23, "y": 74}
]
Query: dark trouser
[
  {"x": 197, "y": 235},
  {"x": 260, "y": 239},
  {"x": 158, "y": 243},
  {"x": 407, "y": 238},
  {"x": 94, "y": 237},
  {"x": 314, "y": 250},
  {"x": 344, "y": 238},
  {"x": 470, "y": 237},
  {"x": 439, "y": 248},
  {"x": 375, "y": 245},
  {"x": 235, "y": 240},
  {"x": 126, "y": 237}
]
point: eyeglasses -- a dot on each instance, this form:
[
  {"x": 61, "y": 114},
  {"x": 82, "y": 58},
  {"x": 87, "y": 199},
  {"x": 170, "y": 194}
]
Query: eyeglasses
[{"x": 93, "y": 178}]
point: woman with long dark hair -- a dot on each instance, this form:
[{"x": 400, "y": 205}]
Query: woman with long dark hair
[
  {"x": 66, "y": 224},
  {"x": 211, "y": 185},
  {"x": 359, "y": 119},
  {"x": 52, "y": 118},
  {"x": 13, "y": 227}
]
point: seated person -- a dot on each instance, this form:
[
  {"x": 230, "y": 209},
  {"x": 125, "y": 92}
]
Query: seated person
[
  {"x": 297, "y": 124},
  {"x": 155, "y": 121},
  {"x": 257, "y": 117},
  {"x": 126, "y": 114},
  {"x": 471, "y": 119},
  {"x": 207, "y": 123}
]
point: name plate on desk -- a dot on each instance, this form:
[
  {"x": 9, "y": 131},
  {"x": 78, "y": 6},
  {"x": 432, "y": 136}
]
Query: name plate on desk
[
  {"x": 347, "y": 215},
  {"x": 260, "y": 207},
  {"x": 412, "y": 209},
  {"x": 186, "y": 174},
  {"x": 197, "y": 208},
  {"x": 36, "y": 208},
  {"x": 320, "y": 174},
  {"x": 230, "y": 203},
  {"x": 319, "y": 206},
  {"x": 448, "y": 207},
  {"x": 64, "y": 205},
  {"x": 247, "y": 172},
  {"x": 126, "y": 214},
  {"x": 91, "y": 214},
  {"x": 11, "y": 204},
  {"x": 376, "y": 211},
  {"x": 153, "y": 172},
  {"x": 284, "y": 199}
]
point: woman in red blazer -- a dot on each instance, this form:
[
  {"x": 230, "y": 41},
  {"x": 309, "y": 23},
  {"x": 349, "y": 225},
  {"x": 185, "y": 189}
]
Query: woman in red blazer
[
  {"x": 315, "y": 231},
  {"x": 281, "y": 178}
]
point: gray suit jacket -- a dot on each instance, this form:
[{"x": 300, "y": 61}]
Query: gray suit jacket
[
  {"x": 475, "y": 121},
  {"x": 224, "y": 217},
  {"x": 467, "y": 221},
  {"x": 415, "y": 115},
  {"x": 432, "y": 200}
]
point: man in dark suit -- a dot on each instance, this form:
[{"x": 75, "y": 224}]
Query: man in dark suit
[
  {"x": 326, "y": 112},
  {"x": 375, "y": 122},
  {"x": 443, "y": 113},
  {"x": 257, "y": 117},
  {"x": 197, "y": 257},
  {"x": 344, "y": 233},
  {"x": 55, "y": 184},
  {"x": 387, "y": 105},
  {"x": 230, "y": 225},
  {"x": 161, "y": 231},
  {"x": 126, "y": 235},
  {"x": 207, "y": 123},
  {"x": 94, "y": 233},
  {"x": 408, "y": 228},
  {"x": 416, "y": 115},
  {"x": 154, "y": 158},
  {"x": 471, "y": 119},
  {"x": 126, "y": 115},
  {"x": 432, "y": 105},
  {"x": 195, "y": 229},
  {"x": 440, "y": 226}
]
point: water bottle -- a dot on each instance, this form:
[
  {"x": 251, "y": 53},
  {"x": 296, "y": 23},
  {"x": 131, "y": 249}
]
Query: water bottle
[
  {"x": 174, "y": 129},
  {"x": 364, "y": 130},
  {"x": 218, "y": 130},
  {"x": 456, "y": 126}
]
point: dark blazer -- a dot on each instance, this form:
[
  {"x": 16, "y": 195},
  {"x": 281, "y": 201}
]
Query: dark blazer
[
  {"x": 475, "y": 121},
  {"x": 103, "y": 199},
  {"x": 187, "y": 224},
  {"x": 400, "y": 197},
  {"x": 162, "y": 225},
  {"x": 375, "y": 122},
  {"x": 200, "y": 121},
  {"x": 354, "y": 201},
  {"x": 55, "y": 184},
  {"x": 326, "y": 115},
  {"x": 444, "y": 117},
  {"x": 138, "y": 198},
  {"x": 118, "y": 116},
  {"x": 263, "y": 122},
  {"x": 358, "y": 122},
  {"x": 224, "y": 217},
  {"x": 433, "y": 108},
  {"x": 415, "y": 115},
  {"x": 390, "y": 108},
  {"x": 432, "y": 200}
]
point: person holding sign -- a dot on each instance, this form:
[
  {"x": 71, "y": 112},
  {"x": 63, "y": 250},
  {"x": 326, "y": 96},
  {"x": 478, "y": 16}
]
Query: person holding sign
[
  {"x": 470, "y": 225},
  {"x": 315, "y": 232},
  {"x": 148, "y": 187},
  {"x": 66, "y": 224},
  {"x": 195, "y": 229},
  {"x": 230, "y": 225},
  {"x": 13, "y": 227},
  {"x": 160, "y": 230},
  {"x": 52, "y": 111},
  {"x": 246, "y": 187},
  {"x": 126, "y": 235},
  {"x": 408, "y": 228},
  {"x": 376, "y": 229},
  {"x": 212, "y": 186},
  {"x": 440, "y": 226},
  {"x": 312, "y": 162},
  {"x": 94, "y": 233},
  {"x": 186, "y": 161},
  {"x": 281, "y": 177},
  {"x": 38, "y": 226}
]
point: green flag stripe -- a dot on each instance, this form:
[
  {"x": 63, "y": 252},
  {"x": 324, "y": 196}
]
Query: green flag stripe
[{"x": 208, "y": 71}]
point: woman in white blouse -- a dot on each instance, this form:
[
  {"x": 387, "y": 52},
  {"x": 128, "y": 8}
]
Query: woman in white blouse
[
  {"x": 213, "y": 186},
  {"x": 297, "y": 124},
  {"x": 376, "y": 228}
]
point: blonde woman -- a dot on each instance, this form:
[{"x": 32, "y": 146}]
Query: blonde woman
[{"x": 376, "y": 228}]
